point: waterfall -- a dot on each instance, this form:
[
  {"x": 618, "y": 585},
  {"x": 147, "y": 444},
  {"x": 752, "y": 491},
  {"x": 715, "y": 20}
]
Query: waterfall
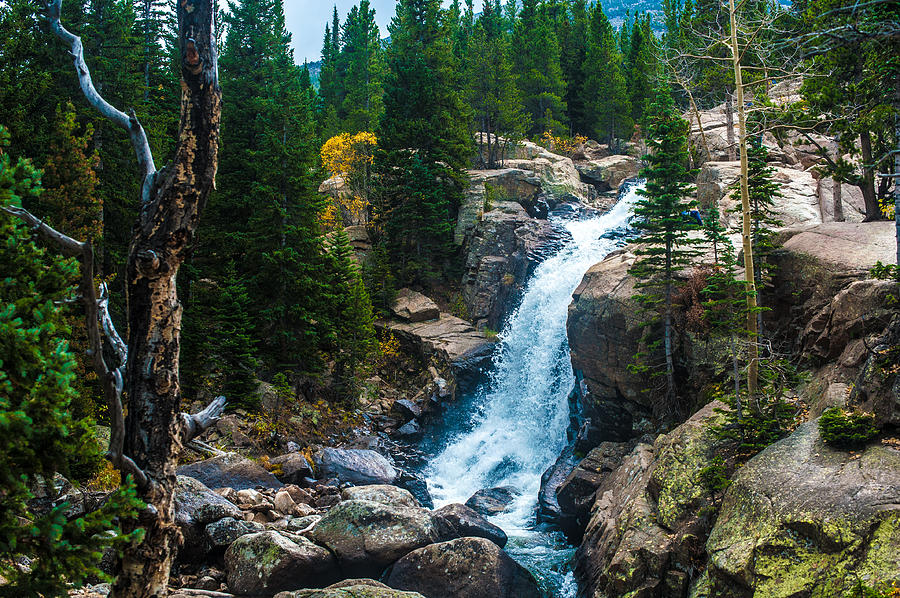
[{"x": 512, "y": 428}]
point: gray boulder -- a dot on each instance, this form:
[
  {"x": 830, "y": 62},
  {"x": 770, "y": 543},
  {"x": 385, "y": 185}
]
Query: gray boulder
[
  {"x": 492, "y": 501},
  {"x": 352, "y": 588},
  {"x": 414, "y": 307},
  {"x": 230, "y": 470},
  {"x": 463, "y": 568},
  {"x": 367, "y": 536},
  {"x": 269, "y": 562},
  {"x": 381, "y": 493},
  {"x": 459, "y": 521},
  {"x": 355, "y": 466},
  {"x": 196, "y": 506},
  {"x": 223, "y": 532},
  {"x": 295, "y": 469}
]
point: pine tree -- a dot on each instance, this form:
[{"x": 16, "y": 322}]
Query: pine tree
[
  {"x": 491, "y": 88},
  {"x": 330, "y": 85},
  {"x": 574, "y": 41},
  {"x": 424, "y": 143},
  {"x": 641, "y": 66},
  {"x": 536, "y": 62},
  {"x": 363, "y": 62},
  {"x": 38, "y": 435},
  {"x": 608, "y": 110},
  {"x": 667, "y": 245}
]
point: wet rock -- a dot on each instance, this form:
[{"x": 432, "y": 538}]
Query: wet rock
[
  {"x": 355, "y": 466},
  {"x": 459, "y": 521},
  {"x": 221, "y": 533},
  {"x": 411, "y": 306},
  {"x": 492, "y": 501},
  {"x": 417, "y": 486},
  {"x": 409, "y": 429},
  {"x": 800, "y": 516},
  {"x": 269, "y": 562},
  {"x": 352, "y": 588},
  {"x": 230, "y": 470},
  {"x": 406, "y": 409},
  {"x": 295, "y": 468},
  {"x": 576, "y": 493},
  {"x": 367, "y": 536},
  {"x": 380, "y": 493},
  {"x": 463, "y": 568},
  {"x": 548, "y": 506},
  {"x": 196, "y": 506}
]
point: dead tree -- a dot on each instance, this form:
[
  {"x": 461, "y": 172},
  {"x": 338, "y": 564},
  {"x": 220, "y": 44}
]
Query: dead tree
[{"x": 148, "y": 436}]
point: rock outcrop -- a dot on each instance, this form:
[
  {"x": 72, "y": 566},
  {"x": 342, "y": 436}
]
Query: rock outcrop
[
  {"x": 651, "y": 515},
  {"x": 463, "y": 568},
  {"x": 604, "y": 330},
  {"x": 411, "y": 306},
  {"x": 367, "y": 536},
  {"x": 803, "y": 519},
  {"x": 608, "y": 173}
]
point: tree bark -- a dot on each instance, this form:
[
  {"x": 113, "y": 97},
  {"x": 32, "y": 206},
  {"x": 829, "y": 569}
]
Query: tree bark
[
  {"x": 749, "y": 268},
  {"x": 873, "y": 210},
  {"x": 729, "y": 124}
]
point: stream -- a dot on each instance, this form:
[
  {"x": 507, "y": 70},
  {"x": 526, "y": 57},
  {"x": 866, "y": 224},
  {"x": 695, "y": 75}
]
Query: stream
[{"x": 512, "y": 427}]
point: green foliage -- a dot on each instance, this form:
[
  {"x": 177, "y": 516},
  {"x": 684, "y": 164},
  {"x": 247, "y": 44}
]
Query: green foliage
[
  {"x": 606, "y": 103},
  {"x": 847, "y": 429},
  {"x": 424, "y": 145},
  {"x": 714, "y": 476},
  {"x": 884, "y": 271},
  {"x": 536, "y": 62},
  {"x": 38, "y": 436}
]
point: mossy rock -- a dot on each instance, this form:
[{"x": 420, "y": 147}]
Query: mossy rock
[{"x": 803, "y": 519}]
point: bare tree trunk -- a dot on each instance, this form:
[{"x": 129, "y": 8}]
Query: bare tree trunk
[
  {"x": 873, "y": 210},
  {"x": 146, "y": 444},
  {"x": 729, "y": 124},
  {"x": 749, "y": 268},
  {"x": 837, "y": 187}
]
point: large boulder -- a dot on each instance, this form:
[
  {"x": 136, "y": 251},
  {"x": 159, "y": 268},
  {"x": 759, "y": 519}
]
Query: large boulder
[
  {"x": 367, "y": 536},
  {"x": 196, "y": 506},
  {"x": 804, "y": 519},
  {"x": 651, "y": 515},
  {"x": 355, "y": 466},
  {"x": 220, "y": 534},
  {"x": 230, "y": 470},
  {"x": 877, "y": 388},
  {"x": 493, "y": 501},
  {"x": 412, "y": 306},
  {"x": 352, "y": 588},
  {"x": 549, "y": 509},
  {"x": 383, "y": 493},
  {"x": 610, "y": 172},
  {"x": 463, "y": 568},
  {"x": 269, "y": 562},
  {"x": 458, "y": 521}
]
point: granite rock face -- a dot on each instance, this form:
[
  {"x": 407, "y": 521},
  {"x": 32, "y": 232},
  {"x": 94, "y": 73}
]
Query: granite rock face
[{"x": 800, "y": 516}]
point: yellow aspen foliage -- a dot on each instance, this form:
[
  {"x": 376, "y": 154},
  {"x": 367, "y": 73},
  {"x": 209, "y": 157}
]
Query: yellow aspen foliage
[
  {"x": 565, "y": 146},
  {"x": 349, "y": 157}
]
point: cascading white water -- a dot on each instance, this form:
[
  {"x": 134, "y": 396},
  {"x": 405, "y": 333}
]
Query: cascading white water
[{"x": 516, "y": 422}]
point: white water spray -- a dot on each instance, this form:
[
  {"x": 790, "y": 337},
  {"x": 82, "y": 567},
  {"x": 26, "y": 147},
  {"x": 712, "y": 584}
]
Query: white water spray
[{"x": 518, "y": 423}]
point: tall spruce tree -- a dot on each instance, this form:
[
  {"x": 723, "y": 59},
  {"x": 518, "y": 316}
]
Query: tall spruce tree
[
  {"x": 363, "y": 66},
  {"x": 641, "y": 66},
  {"x": 608, "y": 111},
  {"x": 574, "y": 42},
  {"x": 424, "y": 143},
  {"x": 491, "y": 88},
  {"x": 667, "y": 245},
  {"x": 536, "y": 62}
]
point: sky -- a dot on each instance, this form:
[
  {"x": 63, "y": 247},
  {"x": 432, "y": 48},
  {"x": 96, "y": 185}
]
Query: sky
[{"x": 306, "y": 21}]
